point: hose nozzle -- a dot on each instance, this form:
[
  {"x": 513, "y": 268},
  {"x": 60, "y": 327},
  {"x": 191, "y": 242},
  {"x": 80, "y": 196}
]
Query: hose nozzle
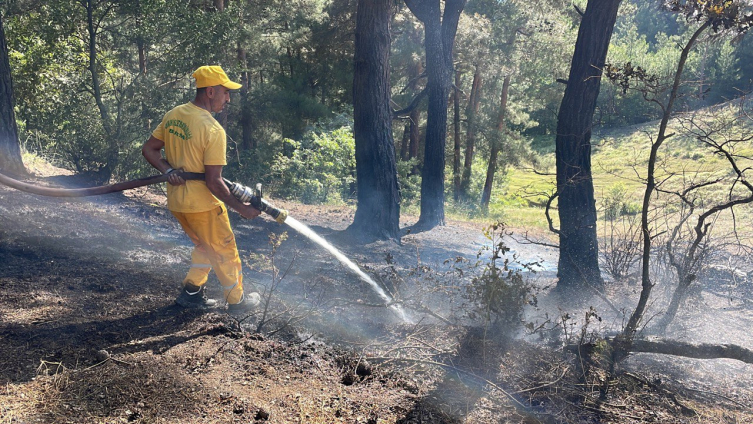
[{"x": 254, "y": 198}]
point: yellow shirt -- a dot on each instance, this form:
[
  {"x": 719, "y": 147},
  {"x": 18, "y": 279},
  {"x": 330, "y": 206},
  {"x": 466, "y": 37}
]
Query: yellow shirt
[{"x": 193, "y": 138}]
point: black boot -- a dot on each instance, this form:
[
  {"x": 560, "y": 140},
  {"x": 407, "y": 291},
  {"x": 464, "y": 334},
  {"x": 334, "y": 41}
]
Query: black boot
[
  {"x": 248, "y": 303},
  {"x": 195, "y": 298}
]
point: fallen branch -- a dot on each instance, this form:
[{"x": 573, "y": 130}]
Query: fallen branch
[
  {"x": 678, "y": 348},
  {"x": 691, "y": 350}
]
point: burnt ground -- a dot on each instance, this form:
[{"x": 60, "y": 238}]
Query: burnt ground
[{"x": 89, "y": 332}]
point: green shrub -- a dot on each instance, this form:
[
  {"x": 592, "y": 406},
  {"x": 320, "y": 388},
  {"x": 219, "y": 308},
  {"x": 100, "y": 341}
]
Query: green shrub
[
  {"x": 616, "y": 203},
  {"x": 320, "y": 169},
  {"x": 500, "y": 292}
]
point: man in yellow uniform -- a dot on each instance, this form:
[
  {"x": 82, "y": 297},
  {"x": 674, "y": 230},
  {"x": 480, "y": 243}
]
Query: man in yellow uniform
[{"x": 195, "y": 142}]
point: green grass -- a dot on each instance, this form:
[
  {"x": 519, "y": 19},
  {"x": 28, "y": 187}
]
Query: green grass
[{"x": 619, "y": 162}]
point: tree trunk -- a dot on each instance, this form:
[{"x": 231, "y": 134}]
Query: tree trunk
[
  {"x": 439, "y": 38},
  {"x": 246, "y": 119},
  {"x": 378, "y": 211},
  {"x": 412, "y": 133},
  {"x": 111, "y": 161},
  {"x": 415, "y": 120},
  {"x": 10, "y": 151},
  {"x": 496, "y": 146},
  {"x": 456, "y": 149},
  {"x": 674, "y": 305},
  {"x": 579, "y": 256},
  {"x": 404, "y": 142},
  {"x": 415, "y": 139},
  {"x": 470, "y": 137},
  {"x": 142, "y": 55},
  {"x": 691, "y": 350}
]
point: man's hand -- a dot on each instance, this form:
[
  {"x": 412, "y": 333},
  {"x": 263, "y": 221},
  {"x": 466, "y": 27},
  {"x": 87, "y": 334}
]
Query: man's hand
[
  {"x": 215, "y": 184},
  {"x": 152, "y": 151},
  {"x": 248, "y": 211},
  {"x": 174, "y": 178}
]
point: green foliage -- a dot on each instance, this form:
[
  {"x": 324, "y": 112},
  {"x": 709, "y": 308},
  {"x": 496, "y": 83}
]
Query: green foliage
[
  {"x": 321, "y": 168},
  {"x": 648, "y": 40},
  {"x": 410, "y": 183}
]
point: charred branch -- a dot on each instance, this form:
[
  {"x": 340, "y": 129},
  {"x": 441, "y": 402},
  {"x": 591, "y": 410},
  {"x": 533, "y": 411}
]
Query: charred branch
[
  {"x": 692, "y": 350},
  {"x": 672, "y": 347}
]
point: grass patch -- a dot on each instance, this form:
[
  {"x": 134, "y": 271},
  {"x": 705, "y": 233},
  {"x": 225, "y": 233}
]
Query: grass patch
[{"x": 619, "y": 159}]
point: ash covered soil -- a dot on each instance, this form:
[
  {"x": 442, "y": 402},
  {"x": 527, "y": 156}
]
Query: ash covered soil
[{"x": 89, "y": 332}]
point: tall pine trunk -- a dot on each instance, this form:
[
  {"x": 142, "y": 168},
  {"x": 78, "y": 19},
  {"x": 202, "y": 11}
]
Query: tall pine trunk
[
  {"x": 10, "y": 151},
  {"x": 415, "y": 120},
  {"x": 579, "y": 253},
  {"x": 378, "y": 211},
  {"x": 440, "y": 28},
  {"x": 415, "y": 139},
  {"x": 111, "y": 128},
  {"x": 405, "y": 142}
]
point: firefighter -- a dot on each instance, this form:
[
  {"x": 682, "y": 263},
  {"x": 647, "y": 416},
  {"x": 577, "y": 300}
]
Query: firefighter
[{"x": 195, "y": 142}]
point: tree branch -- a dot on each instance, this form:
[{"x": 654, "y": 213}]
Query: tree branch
[
  {"x": 691, "y": 350},
  {"x": 413, "y": 104}
]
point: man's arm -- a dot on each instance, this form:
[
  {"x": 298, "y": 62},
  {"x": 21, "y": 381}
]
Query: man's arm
[
  {"x": 215, "y": 184},
  {"x": 152, "y": 151}
]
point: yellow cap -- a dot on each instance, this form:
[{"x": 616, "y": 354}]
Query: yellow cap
[{"x": 209, "y": 76}]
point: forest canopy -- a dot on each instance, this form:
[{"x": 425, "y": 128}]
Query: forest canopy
[{"x": 92, "y": 79}]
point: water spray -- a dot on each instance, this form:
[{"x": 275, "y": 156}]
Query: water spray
[{"x": 254, "y": 198}]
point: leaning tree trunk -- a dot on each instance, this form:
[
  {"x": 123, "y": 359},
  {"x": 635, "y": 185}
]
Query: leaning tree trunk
[
  {"x": 111, "y": 129},
  {"x": 378, "y": 212},
  {"x": 10, "y": 152},
  {"x": 496, "y": 145},
  {"x": 439, "y": 37},
  {"x": 579, "y": 256},
  {"x": 470, "y": 135}
]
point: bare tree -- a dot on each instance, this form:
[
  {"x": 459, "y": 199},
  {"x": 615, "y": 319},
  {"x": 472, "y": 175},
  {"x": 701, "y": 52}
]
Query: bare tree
[
  {"x": 715, "y": 15},
  {"x": 690, "y": 244},
  {"x": 661, "y": 137}
]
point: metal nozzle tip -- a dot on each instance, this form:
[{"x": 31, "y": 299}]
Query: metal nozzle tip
[{"x": 282, "y": 216}]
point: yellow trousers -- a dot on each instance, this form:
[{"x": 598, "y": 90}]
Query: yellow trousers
[{"x": 215, "y": 248}]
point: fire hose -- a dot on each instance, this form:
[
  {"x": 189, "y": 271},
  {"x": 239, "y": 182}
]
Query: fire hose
[{"x": 240, "y": 191}]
